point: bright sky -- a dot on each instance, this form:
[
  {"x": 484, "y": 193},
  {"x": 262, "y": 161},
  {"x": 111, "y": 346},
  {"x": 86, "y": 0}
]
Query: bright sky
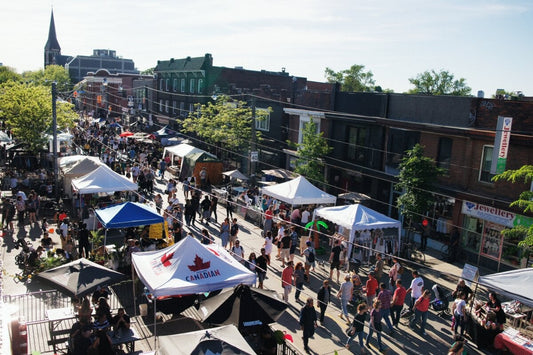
[{"x": 487, "y": 42}]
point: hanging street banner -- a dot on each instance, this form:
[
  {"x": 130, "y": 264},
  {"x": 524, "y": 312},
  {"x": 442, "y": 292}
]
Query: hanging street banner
[{"x": 501, "y": 145}]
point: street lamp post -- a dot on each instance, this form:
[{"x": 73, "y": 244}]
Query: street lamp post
[{"x": 54, "y": 141}]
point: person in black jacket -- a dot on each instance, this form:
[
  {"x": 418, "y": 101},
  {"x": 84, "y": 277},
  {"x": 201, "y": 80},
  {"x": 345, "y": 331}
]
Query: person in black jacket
[
  {"x": 308, "y": 322},
  {"x": 323, "y": 296}
]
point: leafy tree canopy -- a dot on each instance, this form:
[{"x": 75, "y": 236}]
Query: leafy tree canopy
[
  {"x": 52, "y": 73},
  {"x": 442, "y": 82},
  {"x": 149, "y": 71},
  {"x": 7, "y": 74},
  {"x": 224, "y": 121},
  {"x": 525, "y": 200},
  {"x": 27, "y": 111},
  {"x": 355, "y": 79},
  {"x": 311, "y": 153},
  {"x": 416, "y": 181}
]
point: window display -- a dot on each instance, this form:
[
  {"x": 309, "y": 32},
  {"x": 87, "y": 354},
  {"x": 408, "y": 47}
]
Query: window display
[{"x": 492, "y": 240}]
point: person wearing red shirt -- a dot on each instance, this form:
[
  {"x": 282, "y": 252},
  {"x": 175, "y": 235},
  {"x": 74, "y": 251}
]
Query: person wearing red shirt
[
  {"x": 269, "y": 214},
  {"x": 421, "y": 308},
  {"x": 370, "y": 288},
  {"x": 287, "y": 280},
  {"x": 397, "y": 302}
]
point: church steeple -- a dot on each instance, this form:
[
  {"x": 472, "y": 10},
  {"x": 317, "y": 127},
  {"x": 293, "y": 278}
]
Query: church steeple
[{"x": 52, "y": 48}]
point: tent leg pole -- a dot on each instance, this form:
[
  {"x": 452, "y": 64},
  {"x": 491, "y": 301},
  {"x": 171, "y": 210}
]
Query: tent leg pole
[
  {"x": 133, "y": 286},
  {"x": 155, "y": 323}
]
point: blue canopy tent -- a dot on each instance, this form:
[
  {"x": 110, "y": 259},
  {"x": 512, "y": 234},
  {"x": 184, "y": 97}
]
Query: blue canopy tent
[{"x": 128, "y": 214}]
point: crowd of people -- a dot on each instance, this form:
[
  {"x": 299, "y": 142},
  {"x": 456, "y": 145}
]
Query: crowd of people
[{"x": 380, "y": 298}]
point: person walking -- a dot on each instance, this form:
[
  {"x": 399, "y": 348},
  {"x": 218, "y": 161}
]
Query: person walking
[
  {"x": 286, "y": 242},
  {"x": 308, "y": 322},
  {"x": 421, "y": 308},
  {"x": 261, "y": 267},
  {"x": 345, "y": 295},
  {"x": 234, "y": 230},
  {"x": 229, "y": 206},
  {"x": 287, "y": 280},
  {"x": 213, "y": 208},
  {"x": 458, "y": 309},
  {"x": 370, "y": 288},
  {"x": 395, "y": 272},
  {"x": 224, "y": 233},
  {"x": 268, "y": 245},
  {"x": 378, "y": 268},
  {"x": 385, "y": 297},
  {"x": 398, "y": 299},
  {"x": 358, "y": 326},
  {"x": 335, "y": 259},
  {"x": 299, "y": 279},
  {"x": 84, "y": 246},
  {"x": 309, "y": 254},
  {"x": 417, "y": 285},
  {"x": 375, "y": 324},
  {"x": 323, "y": 297}
]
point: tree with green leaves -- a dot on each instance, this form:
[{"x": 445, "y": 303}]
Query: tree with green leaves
[
  {"x": 27, "y": 111},
  {"x": 149, "y": 71},
  {"x": 355, "y": 79},
  {"x": 524, "y": 202},
  {"x": 8, "y": 74},
  {"x": 311, "y": 151},
  {"x": 417, "y": 177},
  {"x": 52, "y": 73},
  {"x": 223, "y": 121},
  {"x": 442, "y": 82}
]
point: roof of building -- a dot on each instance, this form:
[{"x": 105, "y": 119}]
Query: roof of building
[{"x": 52, "y": 43}]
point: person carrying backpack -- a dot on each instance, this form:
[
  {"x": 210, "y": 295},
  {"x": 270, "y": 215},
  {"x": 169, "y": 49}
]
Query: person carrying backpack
[{"x": 309, "y": 254}]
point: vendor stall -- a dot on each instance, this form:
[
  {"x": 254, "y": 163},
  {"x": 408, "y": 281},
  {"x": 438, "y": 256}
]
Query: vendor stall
[
  {"x": 358, "y": 218},
  {"x": 298, "y": 192},
  {"x": 515, "y": 286}
]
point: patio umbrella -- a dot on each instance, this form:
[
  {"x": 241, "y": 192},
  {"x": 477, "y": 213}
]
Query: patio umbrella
[
  {"x": 126, "y": 134},
  {"x": 235, "y": 174},
  {"x": 80, "y": 277},
  {"x": 244, "y": 305}
]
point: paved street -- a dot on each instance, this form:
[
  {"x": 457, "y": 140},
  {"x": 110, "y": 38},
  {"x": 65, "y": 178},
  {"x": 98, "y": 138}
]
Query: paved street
[{"x": 328, "y": 338}]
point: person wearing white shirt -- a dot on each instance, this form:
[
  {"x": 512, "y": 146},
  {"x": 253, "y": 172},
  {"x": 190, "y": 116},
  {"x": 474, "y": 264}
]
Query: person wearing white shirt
[
  {"x": 305, "y": 217},
  {"x": 416, "y": 288}
]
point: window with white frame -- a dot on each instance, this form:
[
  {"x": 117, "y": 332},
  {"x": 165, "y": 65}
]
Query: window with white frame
[
  {"x": 182, "y": 109},
  {"x": 304, "y": 119},
  {"x": 191, "y": 108},
  {"x": 262, "y": 119},
  {"x": 166, "y": 106},
  {"x": 200, "y": 85},
  {"x": 486, "y": 162},
  {"x": 175, "y": 85},
  {"x": 161, "y": 105},
  {"x": 161, "y": 84},
  {"x": 174, "y": 105},
  {"x": 182, "y": 85},
  {"x": 192, "y": 83},
  {"x": 167, "y": 82}
]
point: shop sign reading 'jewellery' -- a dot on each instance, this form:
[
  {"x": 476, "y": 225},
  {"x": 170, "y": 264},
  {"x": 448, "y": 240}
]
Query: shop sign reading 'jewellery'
[{"x": 495, "y": 215}]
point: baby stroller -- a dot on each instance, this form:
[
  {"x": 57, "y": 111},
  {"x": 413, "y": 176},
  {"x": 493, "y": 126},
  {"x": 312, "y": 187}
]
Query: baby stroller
[{"x": 441, "y": 302}]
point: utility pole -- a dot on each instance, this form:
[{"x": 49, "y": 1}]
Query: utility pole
[
  {"x": 253, "y": 146},
  {"x": 54, "y": 142}
]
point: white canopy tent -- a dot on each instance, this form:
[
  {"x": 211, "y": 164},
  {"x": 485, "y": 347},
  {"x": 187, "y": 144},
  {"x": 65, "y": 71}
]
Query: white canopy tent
[
  {"x": 69, "y": 160},
  {"x": 189, "y": 267},
  {"x": 514, "y": 284},
  {"x": 181, "y": 151},
  {"x": 357, "y": 218},
  {"x": 81, "y": 168},
  {"x": 103, "y": 179},
  {"x": 299, "y": 191}
]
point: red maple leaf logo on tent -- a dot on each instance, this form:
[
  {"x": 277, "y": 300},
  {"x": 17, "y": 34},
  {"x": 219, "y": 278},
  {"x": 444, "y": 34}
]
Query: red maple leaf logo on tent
[
  {"x": 199, "y": 264},
  {"x": 165, "y": 259}
]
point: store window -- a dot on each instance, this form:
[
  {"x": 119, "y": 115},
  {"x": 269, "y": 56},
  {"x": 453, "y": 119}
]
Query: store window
[
  {"x": 491, "y": 245},
  {"x": 473, "y": 228},
  {"x": 486, "y": 162}
]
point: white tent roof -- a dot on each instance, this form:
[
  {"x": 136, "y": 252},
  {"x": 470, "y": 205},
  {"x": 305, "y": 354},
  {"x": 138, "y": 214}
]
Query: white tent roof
[
  {"x": 189, "y": 267},
  {"x": 356, "y": 217},
  {"x": 82, "y": 167},
  {"x": 226, "y": 337},
  {"x": 102, "y": 179},
  {"x": 515, "y": 284},
  {"x": 73, "y": 159},
  {"x": 299, "y": 191},
  {"x": 182, "y": 150}
]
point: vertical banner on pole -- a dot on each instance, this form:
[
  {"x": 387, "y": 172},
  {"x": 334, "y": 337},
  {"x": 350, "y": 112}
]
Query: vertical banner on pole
[{"x": 501, "y": 145}]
